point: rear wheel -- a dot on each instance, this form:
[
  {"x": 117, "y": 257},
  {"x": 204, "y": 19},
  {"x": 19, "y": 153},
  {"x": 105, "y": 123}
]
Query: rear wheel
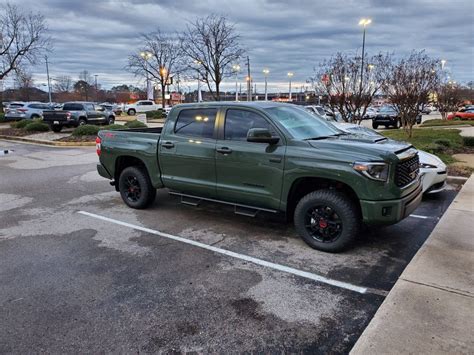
[
  {"x": 131, "y": 112},
  {"x": 111, "y": 120},
  {"x": 82, "y": 122},
  {"x": 135, "y": 187},
  {"x": 327, "y": 220}
]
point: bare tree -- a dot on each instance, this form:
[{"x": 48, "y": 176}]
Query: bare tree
[
  {"x": 339, "y": 79},
  {"x": 24, "y": 83},
  {"x": 408, "y": 83},
  {"x": 449, "y": 97},
  {"x": 212, "y": 46},
  {"x": 62, "y": 84},
  {"x": 23, "y": 38},
  {"x": 159, "y": 59}
]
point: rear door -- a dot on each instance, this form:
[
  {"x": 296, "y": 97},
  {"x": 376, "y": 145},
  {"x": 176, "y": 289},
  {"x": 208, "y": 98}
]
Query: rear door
[
  {"x": 187, "y": 152},
  {"x": 248, "y": 173}
]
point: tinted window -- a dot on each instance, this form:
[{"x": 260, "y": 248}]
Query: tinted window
[
  {"x": 146, "y": 103},
  {"x": 16, "y": 105},
  {"x": 196, "y": 123},
  {"x": 72, "y": 107},
  {"x": 89, "y": 107},
  {"x": 238, "y": 123},
  {"x": 34, "y": 106}
]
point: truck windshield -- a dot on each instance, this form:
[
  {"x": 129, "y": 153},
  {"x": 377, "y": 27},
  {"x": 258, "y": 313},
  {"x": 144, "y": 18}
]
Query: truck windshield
[{"x": 301, "y": 124}]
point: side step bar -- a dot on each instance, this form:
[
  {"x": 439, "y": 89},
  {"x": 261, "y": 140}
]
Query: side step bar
[{"x": 244, "y": 210}]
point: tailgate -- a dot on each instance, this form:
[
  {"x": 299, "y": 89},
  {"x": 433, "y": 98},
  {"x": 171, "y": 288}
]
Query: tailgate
[{"x": 51, "y": 116}]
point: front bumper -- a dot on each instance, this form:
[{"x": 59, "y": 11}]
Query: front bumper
[{"x": 390, "y": 211}]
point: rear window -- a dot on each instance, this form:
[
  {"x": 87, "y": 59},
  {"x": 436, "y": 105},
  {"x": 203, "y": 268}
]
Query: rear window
[
  {"x": 197, "y": 123},
  {"x": 72, "y": 107},
  {"x": 16, "y": 105}
]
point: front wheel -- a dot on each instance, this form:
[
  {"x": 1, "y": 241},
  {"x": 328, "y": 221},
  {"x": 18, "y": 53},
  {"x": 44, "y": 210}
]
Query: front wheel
[
  {"x": 111, "y": 120},
  {"x": 82, "y": 122},
  {"x": 375, "y": 125},
  {"x": 327, "y": 220},
  {"x": 135, "y": 187}
]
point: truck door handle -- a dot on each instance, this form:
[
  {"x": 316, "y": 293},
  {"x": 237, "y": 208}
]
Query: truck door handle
[
  {"x": 224, "y": 150},
  {"x": 168, "y": 145}
]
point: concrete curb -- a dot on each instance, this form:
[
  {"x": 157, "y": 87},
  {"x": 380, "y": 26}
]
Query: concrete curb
[
  {"x": 45, "y": 142},
  {"x": 429, "y": 309}
]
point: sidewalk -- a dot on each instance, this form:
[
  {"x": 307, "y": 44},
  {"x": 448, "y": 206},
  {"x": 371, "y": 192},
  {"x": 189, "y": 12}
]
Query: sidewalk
[{"x": 430, "y": 309}]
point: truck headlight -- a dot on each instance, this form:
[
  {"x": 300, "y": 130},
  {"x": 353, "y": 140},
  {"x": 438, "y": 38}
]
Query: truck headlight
[{"x": 374, "y": 171}]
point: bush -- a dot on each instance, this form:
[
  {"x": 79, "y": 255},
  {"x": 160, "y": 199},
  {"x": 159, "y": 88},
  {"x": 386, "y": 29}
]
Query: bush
[
  {"x": 135, "y": 124},
  {"x": 112, "y": 127},
  {"x": 434, "y": 148},
  {"x": 468, "y": 141},
  {"x": 443, "y": 141},
  {"x": 2, "y": 116},
  {"x": 154, "y": 114},
  {"x": 86, "y": 130},
  {"x": 36, "y": 126},
  {"x": 20, "y": 124}
]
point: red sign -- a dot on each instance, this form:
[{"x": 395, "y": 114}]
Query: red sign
[{"x": 325, "y": 78}]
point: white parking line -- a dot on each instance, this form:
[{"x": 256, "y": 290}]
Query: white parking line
[
  {"x": 251, "y": 259},
  {"x": 418, "y": 216}
]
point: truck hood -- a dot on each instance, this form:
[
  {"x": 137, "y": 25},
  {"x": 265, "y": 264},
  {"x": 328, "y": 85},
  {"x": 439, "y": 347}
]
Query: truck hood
[{"x": 362, "y": 147}]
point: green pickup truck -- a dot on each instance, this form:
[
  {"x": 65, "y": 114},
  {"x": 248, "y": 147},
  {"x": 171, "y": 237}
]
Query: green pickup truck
[{"x": 265, "y": 156}]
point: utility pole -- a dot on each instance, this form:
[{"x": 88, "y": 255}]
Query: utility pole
[
  {"x": 95, "y": 83},
  {"x": 249, "y": 81},
  {"x": 49, "y": 82}
]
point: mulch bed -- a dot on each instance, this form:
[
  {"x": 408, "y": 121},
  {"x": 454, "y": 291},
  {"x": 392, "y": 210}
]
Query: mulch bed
[
  {"x": 14, "y": 132},
  {"x": 77, "y": 139}
]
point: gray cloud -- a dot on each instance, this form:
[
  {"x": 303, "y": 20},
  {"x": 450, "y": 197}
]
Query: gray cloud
[{"x": 280, "y": 35}]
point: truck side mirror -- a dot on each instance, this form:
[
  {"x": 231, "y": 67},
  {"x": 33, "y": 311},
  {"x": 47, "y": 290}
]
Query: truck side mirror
[{"x": 261, "y": 135}]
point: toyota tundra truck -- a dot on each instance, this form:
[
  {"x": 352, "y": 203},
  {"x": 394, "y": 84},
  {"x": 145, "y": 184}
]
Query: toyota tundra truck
[{"x": 270, "y": 157}]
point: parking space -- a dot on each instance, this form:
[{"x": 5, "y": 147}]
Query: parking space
[{"x": 82, "y": 272}]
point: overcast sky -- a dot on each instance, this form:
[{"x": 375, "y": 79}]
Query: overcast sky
[{"x": 283, "y": 36}]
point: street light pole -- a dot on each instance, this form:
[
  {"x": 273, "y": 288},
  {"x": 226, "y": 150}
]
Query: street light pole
[
  {"x": 290, "y": 75},
  {"x": 236, "y": 69},
  {"x": 363, "y": 22},
  {"x": 146, "y": 56},
  {"x": 49, "y": 81},
  {"x": 96, "y": 93},
  {"x": 265, "y": 72}
]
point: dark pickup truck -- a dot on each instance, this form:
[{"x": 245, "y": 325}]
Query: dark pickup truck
[
  {"x": 389, "y": 116},
  {"x": 75, "y": 114},
  {"x": 270, "y": 157}
]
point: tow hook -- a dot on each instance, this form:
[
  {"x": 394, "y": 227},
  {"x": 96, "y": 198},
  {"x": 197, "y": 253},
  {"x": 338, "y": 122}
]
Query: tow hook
[{"x": 112, "y": 183}]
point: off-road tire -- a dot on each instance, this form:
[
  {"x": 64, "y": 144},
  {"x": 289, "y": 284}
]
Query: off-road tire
[
  {"x": 346, "y": 210},
  {"x": 56, "y": 128},
  {"x": 139, "y": 176}
]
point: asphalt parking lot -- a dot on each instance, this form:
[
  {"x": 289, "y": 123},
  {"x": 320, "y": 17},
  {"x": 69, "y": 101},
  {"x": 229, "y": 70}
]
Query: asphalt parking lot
[{"x": 81, "y": 272}]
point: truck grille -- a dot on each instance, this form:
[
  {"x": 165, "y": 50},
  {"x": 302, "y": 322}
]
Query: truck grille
[{"x": 407, "y": 171}]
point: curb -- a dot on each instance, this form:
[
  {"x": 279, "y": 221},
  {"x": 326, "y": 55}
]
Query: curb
[{"x": 50, "y": 143}]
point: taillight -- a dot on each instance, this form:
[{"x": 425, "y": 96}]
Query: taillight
[
  {"x": 22, "y": 110},
  {"x": 97, "y": 145},
  {"x": 68, "y": 115}
]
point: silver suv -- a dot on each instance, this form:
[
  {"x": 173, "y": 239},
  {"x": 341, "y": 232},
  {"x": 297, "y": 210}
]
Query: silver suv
[{"x": 25, "y": 110}]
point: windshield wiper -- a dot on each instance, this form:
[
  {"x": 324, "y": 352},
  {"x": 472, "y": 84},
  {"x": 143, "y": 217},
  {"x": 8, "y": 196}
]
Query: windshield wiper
[{"x": 325, "y": 137}]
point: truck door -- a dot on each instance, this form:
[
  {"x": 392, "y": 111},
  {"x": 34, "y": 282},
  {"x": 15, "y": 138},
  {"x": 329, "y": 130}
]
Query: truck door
[
  {"x": 187, "y": 153},
  {"x": 248, "y": 173}
]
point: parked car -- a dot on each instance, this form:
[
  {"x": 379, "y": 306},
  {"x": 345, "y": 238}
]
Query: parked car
[
  {"x": 425, "y": 109},
  {"x": 266, "y": 156},
  {"x": 462, "y": 114},
  {"x": 116, "y": 109},
  {"x": 25, "y": 110},
  {"x": 389, "y": 116},
  {"x": 78, "y": 113},
  {"x": 370, "y": 113},
  {"x": 141, "y": 106}
]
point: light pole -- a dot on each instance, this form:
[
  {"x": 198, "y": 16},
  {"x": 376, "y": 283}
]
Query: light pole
[
  {"x": 236, "y": 69},
  {"x": 199, "y": 95},
  {"x": 265, "y": 73},
  {"x": 363, "y": 22},
  {"x": 49, "y": 81},
  {"x": 146, "y": 56},
  {"x": 290, "y": 75},
  {"x": 95, "y": 84}
]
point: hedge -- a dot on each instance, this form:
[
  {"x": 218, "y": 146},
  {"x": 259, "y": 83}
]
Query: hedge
[
  {"x": 468, "y": 141},
  {"x": 36, "y": 126},
  {"x": 135, "y": 124},
  {"x": 86, "y": 130},
  {"x": 20, "y": 124},
  {"x": 155, "y": 114}
]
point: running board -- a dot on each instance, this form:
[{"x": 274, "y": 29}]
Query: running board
[{"x": 244, "y": 210}]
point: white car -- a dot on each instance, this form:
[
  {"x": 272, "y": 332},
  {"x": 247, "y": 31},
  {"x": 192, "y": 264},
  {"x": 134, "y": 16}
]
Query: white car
[
  {"x": 432, "y": 169},
  {"x": 141, "y": 106}
]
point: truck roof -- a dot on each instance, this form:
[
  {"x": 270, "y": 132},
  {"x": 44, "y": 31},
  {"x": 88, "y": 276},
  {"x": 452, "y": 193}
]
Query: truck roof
[{"x": 253, "y": 104}]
